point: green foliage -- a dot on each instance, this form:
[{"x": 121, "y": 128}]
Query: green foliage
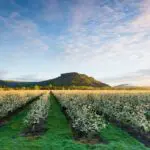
[
  {"x": 11, "y": 101},
  {"x": 147, "y": 114},
  {"x": 59, "y": 136},
  {"x": 82, "y": 114},
  {"x": 127, "y": 108},
  {"x": 36, "y": 87},
  {"x": 39, "y": 111}
]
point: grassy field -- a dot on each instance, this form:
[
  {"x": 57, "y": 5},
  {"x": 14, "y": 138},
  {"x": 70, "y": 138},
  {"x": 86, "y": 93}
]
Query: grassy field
[{"x": 59, "y": 135}]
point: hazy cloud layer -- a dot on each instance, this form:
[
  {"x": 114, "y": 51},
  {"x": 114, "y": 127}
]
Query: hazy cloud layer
[
  {"x": 28, "y": 78},
  {"x": 140, "y": 78},
  {"x": 22, "y": 33}
]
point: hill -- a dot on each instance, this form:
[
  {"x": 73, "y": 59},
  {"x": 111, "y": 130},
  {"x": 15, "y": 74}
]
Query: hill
[
  {"x": 66, "y": 79},
  {"x": 74, "y": 79},
  {"x": 2, "y": 83}
]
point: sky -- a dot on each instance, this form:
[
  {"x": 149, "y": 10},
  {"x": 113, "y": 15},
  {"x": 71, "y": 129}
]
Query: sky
[{"x": 106, "y": 39}]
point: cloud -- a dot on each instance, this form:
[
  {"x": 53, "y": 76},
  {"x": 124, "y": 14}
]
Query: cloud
[
  {"x": 142, "y": 22},
  {"x": 51, "y": 11},
  {"x": 140, "y": 78},
  {"x": 23, "y": 34},
  {"x": 145, "y": 72},
  {"x": 100, "y": 31},
  {"x": 81, "y": 13},
  {"x": 28, "y": 78}
]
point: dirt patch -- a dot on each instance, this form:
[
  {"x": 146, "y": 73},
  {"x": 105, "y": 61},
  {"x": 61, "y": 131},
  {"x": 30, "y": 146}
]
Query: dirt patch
[
  {"x": 142, "y": 137},
  {"x": 83, "y": 138},
  {"x": 32, "y": 137},
  {"x": 3, "y": 122},
  {"x": 35, "y": 129},
  {"x": 5, "y": 119},
  {"x": 89, "y": 141}
]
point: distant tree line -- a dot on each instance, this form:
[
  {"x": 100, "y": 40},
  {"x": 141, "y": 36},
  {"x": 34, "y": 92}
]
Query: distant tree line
[{"x": 52, "y": 87}]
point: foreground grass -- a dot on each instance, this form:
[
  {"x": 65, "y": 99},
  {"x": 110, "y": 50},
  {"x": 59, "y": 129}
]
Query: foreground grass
[{"x": 59, "y": 135}]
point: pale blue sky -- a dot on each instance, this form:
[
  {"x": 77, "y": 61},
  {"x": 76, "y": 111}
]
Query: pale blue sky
[{"x": 106, "y": 39}]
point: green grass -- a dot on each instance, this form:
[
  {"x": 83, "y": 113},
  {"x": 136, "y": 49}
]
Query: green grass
[{"x": 59, "y": 136}]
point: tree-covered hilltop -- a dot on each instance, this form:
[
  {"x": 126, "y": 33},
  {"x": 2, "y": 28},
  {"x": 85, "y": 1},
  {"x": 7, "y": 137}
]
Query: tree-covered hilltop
[
  {"x": 65, "y": 80},
  {"x": 74, "y": 79}
]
